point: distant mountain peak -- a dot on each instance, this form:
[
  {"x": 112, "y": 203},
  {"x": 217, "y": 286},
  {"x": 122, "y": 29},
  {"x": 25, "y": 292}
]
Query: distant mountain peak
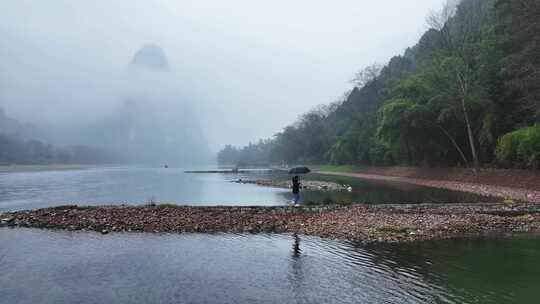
[{"x": 151, "y": 56}]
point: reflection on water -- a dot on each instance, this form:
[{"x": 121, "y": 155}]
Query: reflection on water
[
  {"x": 296, "y": 246},
  {"x": 372, "y": 191},
  {"x": 137, "y": 185},
  {"x": 73, "y": 267},
  {"x": 129, "y": 185}
]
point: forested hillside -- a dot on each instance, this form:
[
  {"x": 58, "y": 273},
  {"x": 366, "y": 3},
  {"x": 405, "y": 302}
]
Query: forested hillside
[
  {"x": 23, "y": 144},
  {"x": 467, "y": 94}
]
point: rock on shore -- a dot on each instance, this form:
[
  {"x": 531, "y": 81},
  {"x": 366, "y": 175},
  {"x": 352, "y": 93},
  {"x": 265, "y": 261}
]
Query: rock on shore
[{"x": 367, "y": 223}]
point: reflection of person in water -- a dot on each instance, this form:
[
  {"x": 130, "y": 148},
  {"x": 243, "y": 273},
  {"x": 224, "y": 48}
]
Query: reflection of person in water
[
  {"x": 296, "y": 274},
  {"x": 296, "y": 246}
]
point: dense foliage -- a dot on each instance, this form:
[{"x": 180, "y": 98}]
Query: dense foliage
[
  {"x": 520, "y": 27},
  {"x": 473, "y": 77},
  {"x": 252, "y": 154},
  {"x": 520, "y": 148}
]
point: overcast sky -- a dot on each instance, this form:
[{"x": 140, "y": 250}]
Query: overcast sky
[{"x": 249, "y": 67}]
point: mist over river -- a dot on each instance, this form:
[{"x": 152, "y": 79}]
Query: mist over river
[
  {"x": 129, "y": 185},
  {"x": 140, "y": 185}
]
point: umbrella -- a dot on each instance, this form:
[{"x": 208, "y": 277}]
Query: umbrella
[{"x": 299, "y": 170}]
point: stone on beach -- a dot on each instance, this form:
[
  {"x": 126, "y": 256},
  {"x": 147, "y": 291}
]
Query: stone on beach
[{"x": 6, "y": 220}]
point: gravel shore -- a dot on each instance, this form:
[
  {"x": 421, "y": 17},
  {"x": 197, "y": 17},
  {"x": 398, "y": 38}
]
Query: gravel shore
[{"x": 366, "y": 223}]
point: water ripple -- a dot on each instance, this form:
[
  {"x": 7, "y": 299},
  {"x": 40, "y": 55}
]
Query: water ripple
[{"x": 63, "y": 267}]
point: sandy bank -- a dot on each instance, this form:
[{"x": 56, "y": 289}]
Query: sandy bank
[{"x": 367, "y": 223}]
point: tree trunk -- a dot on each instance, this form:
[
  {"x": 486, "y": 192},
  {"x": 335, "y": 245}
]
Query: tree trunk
[
  {"x": 463, "y": 87},
  {"x": 408, "y": 147},
  {"x": 471, "y": 136},
  {"x": 455, "y": 144}
]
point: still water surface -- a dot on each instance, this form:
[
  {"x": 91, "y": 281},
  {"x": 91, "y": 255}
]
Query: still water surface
[
  {"x": 38, "y": 266},
  {"x": 138, "y": 185}
]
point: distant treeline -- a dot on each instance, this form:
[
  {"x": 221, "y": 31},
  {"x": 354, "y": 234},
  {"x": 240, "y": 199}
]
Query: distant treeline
[
  {"x": 15, "y": 151},
  {"x": 18, "y": 146},
  {"x": 250, "y": 155},
  {"x": 468, "y": 94}
]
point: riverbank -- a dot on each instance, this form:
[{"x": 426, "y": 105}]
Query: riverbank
[
  {"x": 365, "y": 223},
  {"x": 519, "y": 185}
]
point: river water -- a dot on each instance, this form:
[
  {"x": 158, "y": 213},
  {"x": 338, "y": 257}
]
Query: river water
[
  {"x": 39, "y": 266},
  {"x": 139, "y": 185},
  {"x": 42, "y": 266}
]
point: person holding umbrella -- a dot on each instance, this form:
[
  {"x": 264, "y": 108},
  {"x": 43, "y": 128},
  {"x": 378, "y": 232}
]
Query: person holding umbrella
[
  {"x": 296, "y": 183},
  {"x": 296, "y": 190}
]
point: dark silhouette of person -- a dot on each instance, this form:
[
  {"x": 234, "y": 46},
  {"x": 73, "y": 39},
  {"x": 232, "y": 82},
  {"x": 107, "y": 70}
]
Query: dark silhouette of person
[
  {"x": 296, "y": 190},
  {"x": 296, "y": 246}
]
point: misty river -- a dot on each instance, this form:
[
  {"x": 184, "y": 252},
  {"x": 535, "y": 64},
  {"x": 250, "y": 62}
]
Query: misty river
[
  {"x": 50, "y": 266},
  {"x": 140, "y": 185}
]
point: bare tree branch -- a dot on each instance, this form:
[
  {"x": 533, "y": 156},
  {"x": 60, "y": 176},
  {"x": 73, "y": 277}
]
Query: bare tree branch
[
  {"x": 437, "y": 19},
  {"x": 367, "y": 75}
]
